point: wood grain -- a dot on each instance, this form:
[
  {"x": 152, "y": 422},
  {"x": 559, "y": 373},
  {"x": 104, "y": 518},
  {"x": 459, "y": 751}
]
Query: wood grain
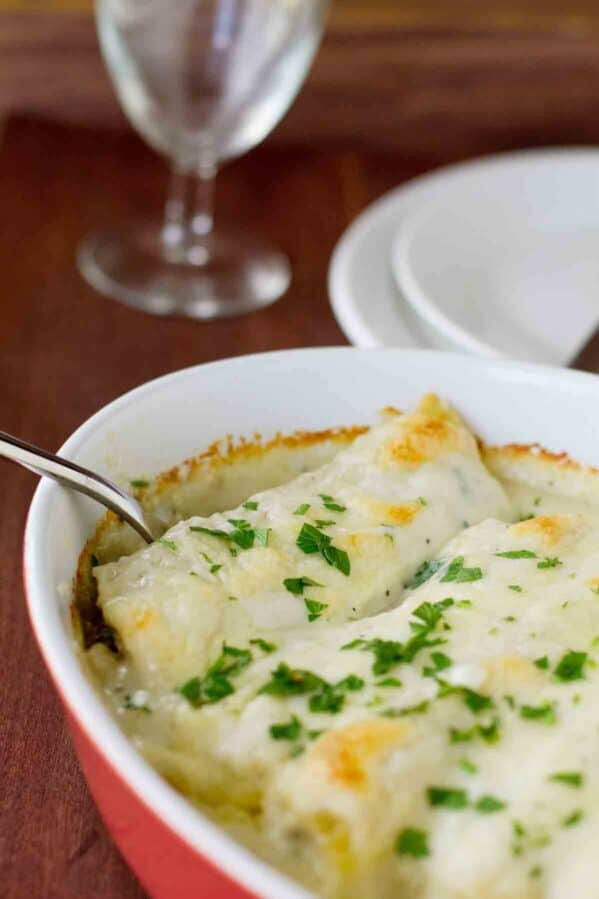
[{"x": 388, "y": 74}]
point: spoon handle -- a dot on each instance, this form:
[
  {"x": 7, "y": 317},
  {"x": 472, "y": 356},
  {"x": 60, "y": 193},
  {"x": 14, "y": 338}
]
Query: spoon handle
[{"x": 72, "y": 475}]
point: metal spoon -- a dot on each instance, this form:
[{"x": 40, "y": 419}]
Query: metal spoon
[{"x": 81, "y": 479}]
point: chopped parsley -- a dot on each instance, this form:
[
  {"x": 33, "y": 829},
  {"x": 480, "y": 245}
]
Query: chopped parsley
[
  {"x": 389, "y": 682},
  {"x": 296, "y": 584},
  {"x": 289, "y": 730},
  {"x": 243, "y": 534},
  {"x": 311, "y": 540},
  {"x": 352, "y": 682},
  {"x": 331, "y": 504},
  {"x": 476, "y": 702},
  {"x": 170, "y": 544},
  {"x": 138, "y": 483},
  {"x": 570, "y": 666},
  {"x": 422, "y": 501},
  {"x": 515, "y": 587},
  {"x": 302, "y": 509},
  {"x": 544, "y": 713},
  {"x": 517, "y": 554},
  {"x": 569, "y": 778},
  {"x": 548, "y": 562},
  {"x": 489, "y": 804},
  {"x": 216, "y": 684},
  {"x": 214, "y": 568},
  {"x": 542, "y": 663},
  {"x": 264, "y": 645},
  {"x": 422, "y": 574},
  {"x": 251, "y": 504},
  {"x": 447, "y": 797},
  {"x": 412, "y": 842},
  {"x": 324, "y": 522},
  {"x": 457, "y": 573},
  {"x": 328, "y": 700},
  {"x": 573, "y": 818},
  {"x": 430, "y": 613},
  {"x": 440, "y": 662},
  {"x": 467, "y": 766},
  {"x": 314, "y": 608},
  {"x": 286, "y": 681}
]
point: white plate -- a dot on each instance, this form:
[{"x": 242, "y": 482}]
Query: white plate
[{"x": 502, "y": 257}]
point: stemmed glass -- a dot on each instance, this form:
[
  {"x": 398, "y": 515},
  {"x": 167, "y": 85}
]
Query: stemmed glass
[{"x": 202, "y": 81}]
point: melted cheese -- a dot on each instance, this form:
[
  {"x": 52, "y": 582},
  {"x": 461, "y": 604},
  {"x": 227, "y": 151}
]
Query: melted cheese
[
  {"x": 482, "y": 681},
  {"x": 394, "y": 497}
]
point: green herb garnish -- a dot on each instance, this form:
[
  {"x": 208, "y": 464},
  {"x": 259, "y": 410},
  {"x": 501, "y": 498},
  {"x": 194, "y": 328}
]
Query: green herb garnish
[
  {"x": 331, "y": 504},
  {"x": 216, "y": 684},
  {"x": 289, "y": 730},
  {"x": 517, "y": 554},
  {"x": 251, "y": 504},
  {"x": 296, "y": 584},
  {"x": 311, "y": 540},
  {"x": 448, "y": 797},
  {"x": 489, "y": 804},
  {"x": 548, "y": 562},
  {"x": 412, "y": 842},
  {"x": 422, "y": 574},
  {"x": 170, "y": 544},
  {"x": 264, "y": 645},
  {"x": 544, "y": 713},
  {"x": 302, "y": 509},
  {"x": 569, "y": 778},
  {"x": 570, "y": 666},
  {"x": 314, "y": 608},
  {"x": 138, "y": 483},
  {"x": 459, "y": 574},
  {"x": 542, "y": 663}
]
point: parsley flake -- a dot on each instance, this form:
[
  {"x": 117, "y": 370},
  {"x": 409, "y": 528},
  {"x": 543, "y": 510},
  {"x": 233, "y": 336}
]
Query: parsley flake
[
  {"x": 448, "y": 797},
  {"x": 412, "y": 842},
  {"x": 542, "y": 663},
  {"x": 302, "y": 509},
  {"x": 289, "y": 730},
  {"x": 314, "y": 608},
  {"x": 216, "y": 684},
  {"x": 517, "y": 554},
  {"x": 422, "y": 574},
  {"x": 569, "y": 778},
  {"x": 570, "y": 666},
  {"x": 286, "y": 681},
  {"x": 170, "y": 544},
  {"x": 251, "y": 504},
  {"x": 296, "y": 584},
  {"x": 544, "y": 713},
  {"x": 138, "y": 483},
  {"x": 264, "y": 645},
  {"x": 489, "y": 804},
  {"x": 331, "y": 504},
  {"x": 311, "y": 540},
  {"x": 459, "y": 574},
  {"x": 467, "y": 766},
  {"x": 573, "y": 818},
  {"x": 549, "y": 562}
]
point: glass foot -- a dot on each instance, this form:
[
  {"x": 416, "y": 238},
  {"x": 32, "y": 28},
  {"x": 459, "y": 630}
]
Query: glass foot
[{"x": 226, "y": 275}]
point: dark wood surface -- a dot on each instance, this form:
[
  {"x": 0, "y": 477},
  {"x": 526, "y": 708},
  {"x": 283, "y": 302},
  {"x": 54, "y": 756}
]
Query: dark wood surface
[
  {"x": 457, "y": 75},
  {"x": 65, "y": 351}
]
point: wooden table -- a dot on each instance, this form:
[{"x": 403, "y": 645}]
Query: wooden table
[{"x": 65, "y": 351}]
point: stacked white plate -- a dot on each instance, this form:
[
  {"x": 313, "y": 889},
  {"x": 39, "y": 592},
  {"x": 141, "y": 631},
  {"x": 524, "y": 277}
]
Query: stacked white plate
[{"x": 497, "y": 257}]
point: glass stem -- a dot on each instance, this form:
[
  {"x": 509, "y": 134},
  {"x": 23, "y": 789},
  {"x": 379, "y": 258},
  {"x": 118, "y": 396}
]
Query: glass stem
[{"x": 189, "y": 213}]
